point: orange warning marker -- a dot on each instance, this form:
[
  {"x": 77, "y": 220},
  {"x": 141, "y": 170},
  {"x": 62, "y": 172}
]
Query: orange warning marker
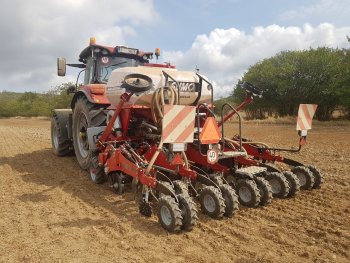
[
  {"x": 210, "y": 133},
  {"x": 177, "y": 160}
]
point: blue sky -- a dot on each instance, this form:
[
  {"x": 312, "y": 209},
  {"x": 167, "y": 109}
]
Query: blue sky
[{"x": 222, "y": 38}]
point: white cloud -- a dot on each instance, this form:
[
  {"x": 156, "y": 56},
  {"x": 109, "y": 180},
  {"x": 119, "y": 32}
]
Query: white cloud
[
  {"x": 34, "y": 33},
  {"x": 224, "y": 54}
]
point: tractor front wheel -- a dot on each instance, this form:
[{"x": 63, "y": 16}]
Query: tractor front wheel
[
  {"x": 60, "y": 145},
  {"x": 96, "y": 171}
]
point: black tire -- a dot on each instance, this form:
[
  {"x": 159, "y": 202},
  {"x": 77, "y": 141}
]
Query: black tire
[
  {"x": 188, "y": 212},
  {"x": 212, "y": 202},
  {"x": 60, "y": 145},
  {"x": 279, "y": 184},
  {"x": 319, "y": 179},
  {"x": 180, "y": 187},
  {"x": 96, "y": 171},
  {"x": 293, "y": 181},
  {"x": 231, "y": 200},
  {"x": 169, "y": 214},
  {"x": 248, "y": 192},
  {"x": 305, "y": 176},
  {"x": 85, "y": 115},
  {"x": 265, "y": 191}
]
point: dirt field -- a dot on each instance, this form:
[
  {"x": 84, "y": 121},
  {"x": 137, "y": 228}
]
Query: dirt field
[{"x": 52, "y": 212}]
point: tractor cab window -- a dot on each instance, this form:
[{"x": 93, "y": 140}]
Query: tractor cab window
[
  {"x": 89, "y": 71},
  {"x": 107, "y": 64}
]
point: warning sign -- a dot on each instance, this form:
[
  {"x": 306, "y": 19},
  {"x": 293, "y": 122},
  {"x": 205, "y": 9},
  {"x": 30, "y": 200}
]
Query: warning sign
[
  {"x": 212, "y": 156},
  {"x": 178, "y": 123},
  {"x": 305, "y": 114},
  {"x": 210, "y": 133}
]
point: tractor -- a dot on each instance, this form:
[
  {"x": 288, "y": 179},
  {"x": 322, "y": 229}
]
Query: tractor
[{"x": 130, "y": 124}]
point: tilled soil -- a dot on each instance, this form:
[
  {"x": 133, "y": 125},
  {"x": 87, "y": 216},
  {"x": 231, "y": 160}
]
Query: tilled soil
[{"x": 52, "y": 212}]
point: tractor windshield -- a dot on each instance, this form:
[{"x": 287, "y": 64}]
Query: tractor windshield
[{"x": 107, "y": 64}]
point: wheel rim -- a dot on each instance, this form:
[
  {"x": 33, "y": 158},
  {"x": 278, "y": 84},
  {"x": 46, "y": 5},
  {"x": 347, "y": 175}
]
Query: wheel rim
[
  {"x": 55, "y": 136},
  {"x": 209, "y": 203},
  {"x": 302, "y": 179},
  {"x": 245, "y": 194},
  {"x": 165, "y": 215},
  {"x": 83, "y": 144},
  {"x": 275, "y": 186}
]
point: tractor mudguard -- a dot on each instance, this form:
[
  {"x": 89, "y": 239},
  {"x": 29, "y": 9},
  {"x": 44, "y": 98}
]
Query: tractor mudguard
[
  {"x": 64, "y": 117},
  {"x": 94, "y": 94}
]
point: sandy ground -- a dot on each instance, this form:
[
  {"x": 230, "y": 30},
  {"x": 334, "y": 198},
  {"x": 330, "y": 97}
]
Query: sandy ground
[{"x": 52, "y": 212}]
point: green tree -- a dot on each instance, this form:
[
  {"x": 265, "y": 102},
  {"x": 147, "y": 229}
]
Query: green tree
[{"x": 319, "y": 76}]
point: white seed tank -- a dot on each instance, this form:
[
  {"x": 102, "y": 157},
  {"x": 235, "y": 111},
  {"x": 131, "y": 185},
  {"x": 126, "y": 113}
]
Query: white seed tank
[{"x": 186, "y": 80}]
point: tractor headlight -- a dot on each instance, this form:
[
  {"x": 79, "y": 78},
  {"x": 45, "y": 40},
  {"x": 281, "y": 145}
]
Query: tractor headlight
[{"x": 126, "y": 50}]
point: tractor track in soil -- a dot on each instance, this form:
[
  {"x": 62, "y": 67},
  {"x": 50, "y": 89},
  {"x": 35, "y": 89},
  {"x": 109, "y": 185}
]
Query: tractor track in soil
[{"x": 52, "y": 212}]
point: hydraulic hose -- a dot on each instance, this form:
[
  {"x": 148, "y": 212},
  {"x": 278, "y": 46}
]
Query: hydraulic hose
[{"x": 157, "y": 107}]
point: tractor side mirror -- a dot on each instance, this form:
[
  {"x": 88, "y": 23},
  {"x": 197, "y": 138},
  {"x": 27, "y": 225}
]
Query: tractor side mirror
[{"x": 61, "y": 67}]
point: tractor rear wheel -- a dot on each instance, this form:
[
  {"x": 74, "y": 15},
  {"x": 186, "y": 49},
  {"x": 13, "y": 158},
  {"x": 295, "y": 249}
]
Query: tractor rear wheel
[
  {"x": 248, "y": 192},
  {"x": 319, "y": 179},
  {"x": 169, "y": 214},
  {"x": 305, "y": 176},
  {"x": 265, "y": 191},
  {"x": 279, "y": 184},
  {"x": 85, "y": 115},
  {"x": 188, "y": 212},
  {"x": 293, "y": 181},
  {"x": 212, "y": 202},
  {"x": 231, "y": 200},
  {"x": 60, "y": 145}
]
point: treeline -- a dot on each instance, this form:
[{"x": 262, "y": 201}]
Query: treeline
[
  {"x": 31, "y": 104},
  {"x": 317, "y": 76}
]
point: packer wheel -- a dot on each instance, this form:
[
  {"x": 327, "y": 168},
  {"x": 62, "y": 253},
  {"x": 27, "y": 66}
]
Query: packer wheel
[
  {"x": 265, "y": 191},
  {"x": 319, "y": 179},
  {"x": 169, "y": 214},
  {"x": 212, "y": 202},
  {"x": 188, "y": 212},
  {"x": 180, "y": 187},
  {"x": 305, "y": 176},
  {"x": 231, "y": 200},
  {"x": 248, "y": 192},
  {"x": 293, "y": 181},
  {"x": 279, "y": 184}
]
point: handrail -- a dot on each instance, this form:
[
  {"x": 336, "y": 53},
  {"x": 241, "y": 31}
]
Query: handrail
[{"x": 239, "y": 125}]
